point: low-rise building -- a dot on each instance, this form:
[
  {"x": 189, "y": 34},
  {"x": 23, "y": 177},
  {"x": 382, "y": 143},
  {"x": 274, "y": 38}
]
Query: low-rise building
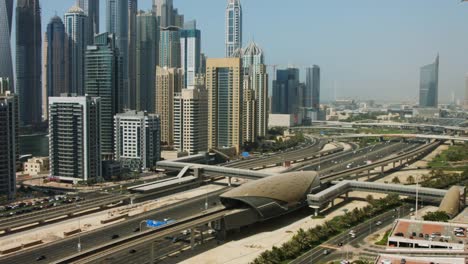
[
  {"x": 36, "y": 166},
  {"x": 417, "y": 236},
  {"x": 281, "y": 120},
  {"x": 137, "y": 140},
  {"x": 398, "y": 259}
]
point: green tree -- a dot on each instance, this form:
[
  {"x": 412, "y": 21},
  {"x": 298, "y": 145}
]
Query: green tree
[
  {"x": 395, "y": 180},
  {"x": 438, "y": 216},
  {"x": 410, "y": 179}
]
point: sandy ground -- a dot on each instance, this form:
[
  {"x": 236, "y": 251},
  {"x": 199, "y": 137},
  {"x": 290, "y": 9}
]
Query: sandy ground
[
  {"x": 245, "y": 250},
  {"x": 90, "y": 222}
]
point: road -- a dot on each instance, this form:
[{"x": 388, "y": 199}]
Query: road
[
  {"x": 317, "y": 255},
  {"x": 66, "y": 247}
]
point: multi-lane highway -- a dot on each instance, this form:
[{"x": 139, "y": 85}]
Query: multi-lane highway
[{"x": 66, "y": 247}]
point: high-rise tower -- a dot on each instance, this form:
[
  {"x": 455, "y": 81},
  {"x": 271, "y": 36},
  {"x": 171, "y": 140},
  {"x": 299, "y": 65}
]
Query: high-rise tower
[
  {"x": 8, "y": 139},
  {"x": 169, "y": 47},
  {"x": 118, "y": 23},
  {"x": 6, "y": 63},
  {"x": 76, "y": 27},
  {"x": 91, "y": 9},
  {"x": 429, "y": 85},
  {"x": 223, "y": 82},
  {"x": 146, "y": 61},
  {"x": 190, "y": 48},
  {"x": 312, "y": 92},
  {"x": 28, "y": 61},
  {"x": 55, "y": 76},
  {"x": 103, "y": 79},
  {"x": 233, "y": 27}
]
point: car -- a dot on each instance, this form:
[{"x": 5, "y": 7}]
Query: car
[
  {"x": 413, "y": 234},
  {"x": 421, "y": 235},
  {"x": 326, "y": 252},
  {"x": 378, "y": 223},
  {"x": 41, "y": 257},
  {"x": 132, "y": 251},
  {"x": 400, "y": 234},
  {"x": 115, "y": 236},
  {"x": 460, "y": 234},
  {"x": 340, "y": 244}
]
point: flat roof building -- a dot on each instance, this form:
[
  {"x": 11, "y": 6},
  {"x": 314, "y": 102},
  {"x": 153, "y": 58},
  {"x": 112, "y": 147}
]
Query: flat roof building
[
  {"x": 137, "y": 140},
  {"x": 75, "y": 138}
]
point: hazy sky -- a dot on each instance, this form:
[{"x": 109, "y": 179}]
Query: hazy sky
[{"x": 368, "y": 48}]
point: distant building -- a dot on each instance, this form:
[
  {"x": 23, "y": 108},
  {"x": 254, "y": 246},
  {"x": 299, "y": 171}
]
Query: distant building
[
  {"x": 137, "y": 140},
  {"x": 36, "y": 166},
  {"x": 281, "y": 120},
  {"x": 255, "y": 73},
  {"x": 169, "y": 81},
  {"x": 29, "y": 61},
  {"x": 132, "y": 42},
  {"x": 74, "y": 138},
  {"x": 312, "y": 92},
  {"x": 233, "y": 27},
  {"x": 190, "y": 47},
  {"x": 224, "y": 85},
  {"x": 465, "y": 104},
  {"x": 166, "y": 14},
  {"x": 117, "y": 22},
  {"x": 9, "y": 151},
  {"x": 429, "y": 85},
  {"x": 91, "y": 9},
  {"x": 76, "y": 27},
  {"x": 103, "y": 79},
  {"x": 286, "y": 98},
  {"x": 55, "y": 62},
  {"x": 169, "y": 47},
  {"x": 191, "y": 121},
  {"x": 146, "y": 61},
  {"x": 6, "y": 63}
]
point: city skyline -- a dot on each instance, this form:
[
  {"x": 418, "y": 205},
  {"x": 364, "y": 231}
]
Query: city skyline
[{"x": 393, "y": 65}]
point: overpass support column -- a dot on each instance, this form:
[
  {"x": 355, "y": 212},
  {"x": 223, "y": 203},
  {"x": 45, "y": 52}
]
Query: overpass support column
[
  {"x": 152, "y": 253},
  {"x": 192, "y": 238},
  {"x": 316, "y": 211},
  {"x": 382, "y": 169},
  {"x": 394, "y": 163},
  {"x": 229, "y": 181}
]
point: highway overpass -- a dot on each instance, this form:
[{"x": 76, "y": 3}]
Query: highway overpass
[
  {"x": 385, "y": 124},
  {"x": 407, "y": 136}
]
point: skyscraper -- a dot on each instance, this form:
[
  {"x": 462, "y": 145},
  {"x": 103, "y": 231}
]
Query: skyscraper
[
  {"x": 91, "y": 9},
  {"x": 257, "y": 76},
  {"x": 6, "y": 63},
  {"x": 74, "y": 138},
  {"x": 169, "y": 47},
  {"x": 55, "y": 76},
  {"x": 8, "y": 140},
  {"x": 169, "y": 81},
  {"x": 191, "y": 120},
  {"x": 132, "y": 39},
  {"x": 103, "y": 79},
  {"x": 117, "y": 23},
  {"x": 233, "y": 27},
  {"x": 137, "y": 140},
  {"x": 223, "y": 82},
  {"x": 76, "y": 28},
  {"x": 166, "y": 14},
  {"x": 190, "y": 47},
  {"x": 286, "y": 98},
  {"x": 312, "y": 92},
  {"x": 146, "y": 61},
  {"x": 429, "y": 85},
  {"x": 28, "y": 61}
]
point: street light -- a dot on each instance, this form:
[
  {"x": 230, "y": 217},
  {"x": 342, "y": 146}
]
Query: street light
[{"x": 78, "y": 246}]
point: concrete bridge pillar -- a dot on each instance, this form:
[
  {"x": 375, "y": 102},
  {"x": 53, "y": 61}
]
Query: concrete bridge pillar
[
  {"x": 316, "y": 211},
  {"x": 192, "y": 238},
  {"x": 229, "y": 181}
]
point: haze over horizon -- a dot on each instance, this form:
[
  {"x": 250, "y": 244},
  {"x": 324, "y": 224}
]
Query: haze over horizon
[{"x": 369, "y": 49}]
